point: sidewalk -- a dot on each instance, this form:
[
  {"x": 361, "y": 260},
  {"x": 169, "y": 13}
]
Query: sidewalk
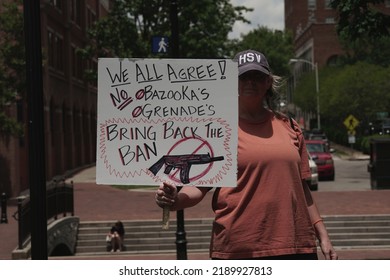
[
  {"x": 106, "y": 203},
  {"x": 349, "y": 153},
  {"x": 91, "y": 204}
]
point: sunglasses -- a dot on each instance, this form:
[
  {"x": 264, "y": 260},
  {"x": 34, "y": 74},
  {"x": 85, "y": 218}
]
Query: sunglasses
[{"x": 253, "y": 76}]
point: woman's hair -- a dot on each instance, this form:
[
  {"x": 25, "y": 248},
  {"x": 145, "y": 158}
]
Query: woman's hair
[
  {"x": 251, "y": 60},
  {"x": 120, "y": 227},
  {"x": 273, "y": 93}
]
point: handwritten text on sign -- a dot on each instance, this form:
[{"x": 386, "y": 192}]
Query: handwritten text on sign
[{"x": 171, "y": 118}]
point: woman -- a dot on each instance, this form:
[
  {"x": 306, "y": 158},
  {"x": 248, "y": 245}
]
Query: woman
[
  {"x": 270, "y": 214},
  {"x": 117, "y": 233}
]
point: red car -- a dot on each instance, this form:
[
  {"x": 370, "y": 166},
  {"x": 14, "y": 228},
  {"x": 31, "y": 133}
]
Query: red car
[{"x": 322, "y": 156}]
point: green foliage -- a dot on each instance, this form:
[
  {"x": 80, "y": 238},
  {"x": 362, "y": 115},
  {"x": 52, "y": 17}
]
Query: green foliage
[
  {"x": 115, "y": 35},
  {"x": 361, "y": 89},
  {"x": 128, "y": 29},
  {"x": 305, "y": 95},
  {"x": 359, "y": 18},
  {"x": 276, "y": 45},
  {"x": 12, "y": 65},
  {"x": 366, "y": 140},
  {"x": 363, "y": 30},
  {"x": 204, "y": 27}
]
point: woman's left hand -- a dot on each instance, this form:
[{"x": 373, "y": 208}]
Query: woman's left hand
[
  {"x": 328, "y": 251},
  {"x": 166, "y": 194}
]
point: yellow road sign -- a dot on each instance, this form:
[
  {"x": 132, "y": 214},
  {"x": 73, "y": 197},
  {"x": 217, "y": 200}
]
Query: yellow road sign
[{"x": 351, "y": 122}]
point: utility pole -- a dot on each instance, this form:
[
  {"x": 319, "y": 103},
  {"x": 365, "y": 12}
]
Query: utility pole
[{"x": 36, "y": 145}]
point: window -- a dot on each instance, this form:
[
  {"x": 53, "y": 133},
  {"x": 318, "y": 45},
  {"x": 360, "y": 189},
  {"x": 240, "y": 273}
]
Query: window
[
  {"x": 77, "y": 64},
  {"x": 330, "y": 20},
  {"x": 327, "y": 4},
  {"x": 312, "y": 5},
  {"x": 56, "y": 51},
  {"x": 57, "y": 4},
  {"x": 52, "y": 122},
  {"x": 387, "y": 3},
  {"x": 75, "y": 12},
  {"x": 315, "y": 148},
  {"x": 91, "y": 66},
  {"x": 91, "y": 18}
]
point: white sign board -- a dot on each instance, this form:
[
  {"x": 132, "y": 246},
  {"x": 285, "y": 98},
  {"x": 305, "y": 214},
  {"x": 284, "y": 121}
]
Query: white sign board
[{"x": 160, "y": 119}]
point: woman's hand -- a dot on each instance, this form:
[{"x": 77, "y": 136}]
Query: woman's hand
[
  {"x": 327, "y": 250},
  {"x": 166, "y": 194}
]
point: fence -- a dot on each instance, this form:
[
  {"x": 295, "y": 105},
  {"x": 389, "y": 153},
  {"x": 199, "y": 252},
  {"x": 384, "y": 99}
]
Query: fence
[{"x": 59, "y": 201}]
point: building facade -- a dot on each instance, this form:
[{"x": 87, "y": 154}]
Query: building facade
[
  {"x": 313, "y": 25},
  {"x": 70, "y": 101}
]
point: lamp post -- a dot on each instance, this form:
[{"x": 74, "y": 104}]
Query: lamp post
[{"x": 315, "y": 68}]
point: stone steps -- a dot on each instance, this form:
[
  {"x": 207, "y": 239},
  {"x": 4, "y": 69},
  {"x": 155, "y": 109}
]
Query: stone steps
[{"x": 146, "y": 236}]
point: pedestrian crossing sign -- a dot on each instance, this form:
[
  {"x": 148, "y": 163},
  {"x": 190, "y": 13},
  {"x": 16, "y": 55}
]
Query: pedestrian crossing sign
[
  {"x": 351, "y": 122},
  {"x": 160, "y": 44}
]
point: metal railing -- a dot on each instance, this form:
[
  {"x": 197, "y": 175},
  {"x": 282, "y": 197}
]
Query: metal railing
[
  {"x": 59, "y": 201},
  {"x": 3, "y": 203}
]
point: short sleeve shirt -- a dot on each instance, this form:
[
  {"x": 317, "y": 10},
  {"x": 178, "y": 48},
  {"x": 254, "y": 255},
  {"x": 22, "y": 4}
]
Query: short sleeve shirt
[{"x": 266, "y": 213}]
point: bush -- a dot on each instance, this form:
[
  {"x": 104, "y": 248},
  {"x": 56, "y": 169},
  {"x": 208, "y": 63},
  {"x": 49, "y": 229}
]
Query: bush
[{"x": 365, "y": 142}]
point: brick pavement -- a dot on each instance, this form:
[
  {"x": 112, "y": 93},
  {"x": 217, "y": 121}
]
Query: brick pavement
[{"x": 101, "y": 202}]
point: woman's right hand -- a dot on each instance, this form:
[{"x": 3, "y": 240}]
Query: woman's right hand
[{"x": 166, "y": 194}]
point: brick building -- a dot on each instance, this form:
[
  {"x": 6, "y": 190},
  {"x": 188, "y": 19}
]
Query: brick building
[
  {"x": 70, "y": 102},
  {"x": 313, "y": 24}
]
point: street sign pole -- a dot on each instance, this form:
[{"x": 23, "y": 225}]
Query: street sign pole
[
  {"x": 36, "y": 147},
  {"x": 174, "y": 46}
]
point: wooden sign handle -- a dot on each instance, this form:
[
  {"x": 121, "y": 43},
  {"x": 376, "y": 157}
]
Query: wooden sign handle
[{"x": 165, "y": 221}]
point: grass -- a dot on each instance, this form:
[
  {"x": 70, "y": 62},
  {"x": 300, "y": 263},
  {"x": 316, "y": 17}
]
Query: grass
[{"x": 340, "y": 153}]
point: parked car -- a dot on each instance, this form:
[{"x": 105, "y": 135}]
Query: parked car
[
  {"x": 319, "y": 136},
  {"x": 313, "y": 180},
  {"x": 322, "y": 156}
]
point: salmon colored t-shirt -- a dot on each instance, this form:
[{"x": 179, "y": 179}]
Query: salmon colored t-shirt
[{"x": 266, "y": 214}]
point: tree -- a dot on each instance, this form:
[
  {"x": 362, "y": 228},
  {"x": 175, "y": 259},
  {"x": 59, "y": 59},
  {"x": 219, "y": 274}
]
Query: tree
[
  {"x": 12, "y": 65},
  {"x": 205, "y": 25},
  {"x": 276, "y": 45},
  {"x": 127, "y": 30},
  {"x": 363, "y": 30},
  {"x": 305, "y": 92},
  {"x": 361, "y": 89}
]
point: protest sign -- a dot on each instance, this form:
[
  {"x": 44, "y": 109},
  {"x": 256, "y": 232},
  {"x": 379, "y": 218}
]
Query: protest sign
[{"x": 159, "y": 118}]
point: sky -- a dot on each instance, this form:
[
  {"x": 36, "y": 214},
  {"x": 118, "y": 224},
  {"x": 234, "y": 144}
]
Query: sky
[{"x": 269, "y": 13}]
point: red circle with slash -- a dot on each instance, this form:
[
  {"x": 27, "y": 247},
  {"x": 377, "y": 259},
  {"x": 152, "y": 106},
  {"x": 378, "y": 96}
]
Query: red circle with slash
[{"x": 203, "y": 144}]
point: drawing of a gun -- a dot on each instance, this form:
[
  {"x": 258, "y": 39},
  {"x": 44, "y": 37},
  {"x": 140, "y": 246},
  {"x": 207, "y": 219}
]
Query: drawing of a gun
[{"x": 183, "y": 162}]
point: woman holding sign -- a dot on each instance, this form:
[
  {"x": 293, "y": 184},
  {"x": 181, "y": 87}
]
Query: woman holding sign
[{"x": 270, "y": 214}]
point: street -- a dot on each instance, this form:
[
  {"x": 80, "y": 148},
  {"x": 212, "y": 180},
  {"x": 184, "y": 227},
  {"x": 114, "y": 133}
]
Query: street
[{"x": 351, "y": 175}]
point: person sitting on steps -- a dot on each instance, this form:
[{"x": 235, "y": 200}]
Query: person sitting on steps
[{"x": 117, "y": 233}]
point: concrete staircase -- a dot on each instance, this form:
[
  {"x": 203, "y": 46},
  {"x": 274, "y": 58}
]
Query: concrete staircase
[{"x": 147, "y": 237}]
